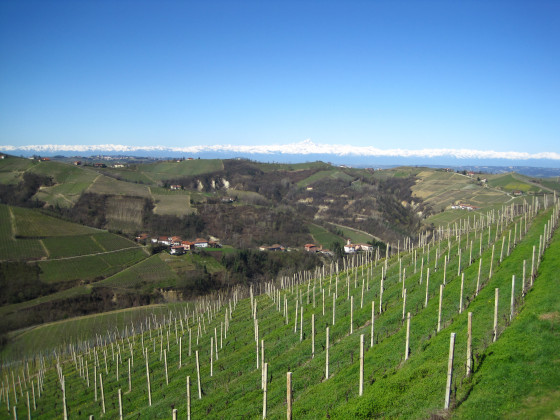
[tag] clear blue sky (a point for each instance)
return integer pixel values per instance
(407, 74)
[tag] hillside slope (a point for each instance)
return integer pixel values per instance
(225, 335)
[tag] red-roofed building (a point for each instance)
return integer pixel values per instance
(200, 243)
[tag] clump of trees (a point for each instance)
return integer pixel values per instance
(20, 282)
(21, 194)
(250, 266)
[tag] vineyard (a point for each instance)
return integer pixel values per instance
(459, 323)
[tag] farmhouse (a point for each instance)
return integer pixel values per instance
(351, 248)
(273, 248)
(175, 240)
(312, 248)
(200, 243)
(2, 156)
(142, 237)
(175, 187)
(464, 206)
(163, 240)
(177, 250)
(517, 193)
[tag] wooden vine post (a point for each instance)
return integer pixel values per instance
(478, 277)
(120, 405)
(461, 294)
(372, 321)
(449, 371)
(333, 308)
(439, 308)
(188, 398)
(289, 396)
(512, 303)
(427, 286)
(64, 408)
(28, 406)
(327, 356)
(403, 303)
(300, 322)
(469, 345)
(381, 292)
(95, 380)
(147, 379)
(407, 336)
(265, 386)
(312, 336)
(165, 362)
(361, 390)
(496, 296)
(103, 395)
(351, 314)
(198, 376)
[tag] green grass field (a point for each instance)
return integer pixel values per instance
(511, 182)
(174, 204)
(520, 364)
(324, 175)
(33, 223)
(89, 267)
(152, 272)
(355, 236)
(70, 182)
(12, 248)
(107, 185)
(321, 236)
(165, 170)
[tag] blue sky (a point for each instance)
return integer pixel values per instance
(386, 74)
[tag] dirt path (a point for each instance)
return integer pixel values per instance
(534, 184)
(358, 230)
(12, 223)
(96, 253)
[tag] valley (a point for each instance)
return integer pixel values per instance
(83, 301)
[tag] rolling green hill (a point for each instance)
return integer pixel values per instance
(219, 333)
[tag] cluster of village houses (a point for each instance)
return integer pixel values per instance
(464, 206)
(349, 248)
(177, 246)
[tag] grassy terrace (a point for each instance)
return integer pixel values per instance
(394, 387)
